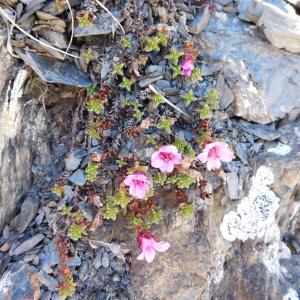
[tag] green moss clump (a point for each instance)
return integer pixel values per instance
(181, 180)
(67, 287)
(76, 232)
(157, 100)
(118, 69)
(126, 84)
(92, 130)
(189, 98)
(186, 210)
(160, 178)
(95, 106)
(151, 44)
(184, 148)
(165, 124)
(91, 172)
(174, 56)
(110, 212)
(196, 75)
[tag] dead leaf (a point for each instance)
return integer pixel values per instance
(36, 284)
(97, 222)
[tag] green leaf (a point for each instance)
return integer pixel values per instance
(151, 44)
(166, 124)
(67, 287)
(196, 75)
(184, 147)
(110, 212)
(174, 56)
(160, 178)
(118, 69)
(157, 100)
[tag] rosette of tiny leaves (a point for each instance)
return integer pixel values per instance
(149, 194)
(162, 38)
(92, 130)
(120, 199)
(174, 56)
(151, 44)
(118, 69)
(184, 147)
(160, 178)
(126, 84)
(205, 112)
(91, 172)
(157, 100)
(66, 211)
(186, 210)
(150, 139)
(67, 287)
(95, 106)
(91, 90)
(212, 98)
(89, 56)
(76, 232)
(110, 212)
(126, 42)
(137, 113)
(155, 216)
(196, 75)
(165, 124)
(189, 98)
(84, 20)
(78, 216)
(176, 71)
(57, 190)
(181, 180)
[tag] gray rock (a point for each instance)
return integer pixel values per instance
(56, 39)
(101, 25)
(162, 85)
(146, 81)
(261, 131)
(29, 210)
(28, 244)
(15, 282)
(225, 94)
(278, 20)
(264, 81)
(51, 256)
(105, 260)
(232, 181)
(47, 280)
(200, 21)
(74, 159)
(53, 71)
(78, 178)
(224, 2)
(98, 259)
(154, 70)
(74, 261)
(87, 211)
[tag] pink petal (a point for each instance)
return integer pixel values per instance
(149, 254)
(203, 157)
(224, 153)
(161, 246)
(132, 190)
(167, 167)
(156, 162)
(177, 159)
(141, 191)
(169, 149)
(128, 180)
(213, 163)
(141, 256)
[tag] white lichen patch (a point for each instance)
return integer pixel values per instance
(255, 212)
(280, 149)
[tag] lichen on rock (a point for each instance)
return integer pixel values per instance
(255, 212)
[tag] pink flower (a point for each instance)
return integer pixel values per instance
(148, 245)
(138, 184)
(188, 65)
(165, 158)
(214, 153)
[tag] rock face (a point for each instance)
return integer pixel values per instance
(21, 126)
(262, 80)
